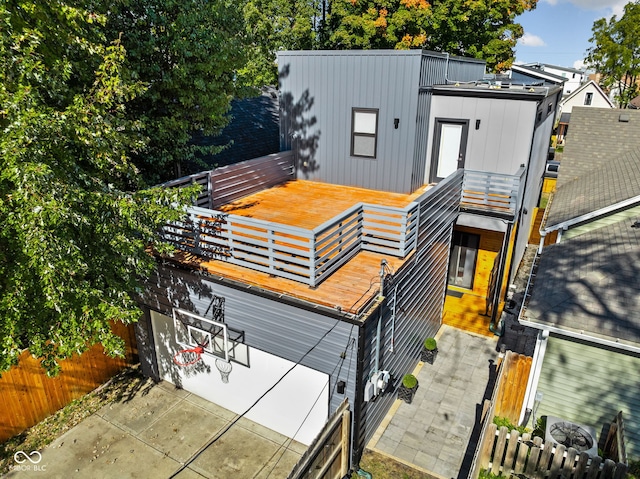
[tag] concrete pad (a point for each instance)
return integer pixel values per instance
(97, 449)
(182, 430)
(152, 433)
(140, 412)
(238, 454)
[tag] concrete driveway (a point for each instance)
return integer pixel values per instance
(152, 434)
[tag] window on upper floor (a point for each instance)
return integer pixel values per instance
(364, 132)
(588, 98)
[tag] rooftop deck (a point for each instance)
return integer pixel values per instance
(254, 223)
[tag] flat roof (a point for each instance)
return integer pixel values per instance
(494, 90)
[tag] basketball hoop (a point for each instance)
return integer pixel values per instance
(225, 369)
(187, 357)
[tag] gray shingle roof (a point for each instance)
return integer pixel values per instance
(590, 283)
(600, 165)
(253, 131)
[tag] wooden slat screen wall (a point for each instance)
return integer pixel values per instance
(29, 395)
(513, 386)
(230, 183)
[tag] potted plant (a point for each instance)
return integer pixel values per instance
(429, 351)
(408, 388)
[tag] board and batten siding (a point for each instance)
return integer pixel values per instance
(503, 141)
(319, 89)
(418, 290)
(590, 385)
(436, 68)
(272, 326)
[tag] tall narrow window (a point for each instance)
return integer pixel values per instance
(462, 263)
(364, 132)
(587, 98)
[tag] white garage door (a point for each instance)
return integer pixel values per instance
(297, 407)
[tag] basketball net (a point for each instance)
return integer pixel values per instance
(187, 357)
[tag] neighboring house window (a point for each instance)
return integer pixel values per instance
(462, 263)
(587, 98)
(364, 132)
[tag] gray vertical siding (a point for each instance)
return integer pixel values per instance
(435, 69)
(319, 89)
(419, 288)
(589, 385)
(269, 325)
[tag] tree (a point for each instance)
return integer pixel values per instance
(187, 53)
(77, 223)
(480, 28)
(616, 53)
(273, 25)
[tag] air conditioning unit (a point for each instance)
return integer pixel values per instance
(582, 438)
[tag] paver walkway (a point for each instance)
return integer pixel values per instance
(154, 433)
(434, 431)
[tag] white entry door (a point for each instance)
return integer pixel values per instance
(449, 148)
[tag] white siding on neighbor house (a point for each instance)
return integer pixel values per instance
(503, 141)
(297, 407)
(589, 385)
(598, 100)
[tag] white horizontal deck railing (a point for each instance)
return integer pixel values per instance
(309, 256)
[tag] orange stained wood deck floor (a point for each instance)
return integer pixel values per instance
(308, 204)
(468, 313)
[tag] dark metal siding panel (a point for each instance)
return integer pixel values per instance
(419, 289)
(589, 385)
(318, 92)
(271, 326)
(422, 140)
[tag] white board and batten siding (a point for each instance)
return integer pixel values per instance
(590, 385)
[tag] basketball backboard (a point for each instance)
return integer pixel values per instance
(217, 339)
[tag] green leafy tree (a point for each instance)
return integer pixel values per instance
(77, 224)
(615, 53)
(273, 25)
(187, 53)
(480, 28)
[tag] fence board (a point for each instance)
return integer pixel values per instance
(29, 395)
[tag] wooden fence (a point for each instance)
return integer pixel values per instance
(29, 395)
(506, 399)
(328, 456)
(507, 454)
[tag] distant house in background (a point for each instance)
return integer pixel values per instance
(584, 298)
(252, 132)
(588, 95)
(534, 76)
(572, 76)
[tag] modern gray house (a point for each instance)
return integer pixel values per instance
(315, 274)
(584, 295)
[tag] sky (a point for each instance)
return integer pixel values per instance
(557, 32)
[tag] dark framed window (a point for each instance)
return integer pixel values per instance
(588, 98)
(462, 262)
(364, 132)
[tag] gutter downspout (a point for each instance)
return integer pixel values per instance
(496, 295)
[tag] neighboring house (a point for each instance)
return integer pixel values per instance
(573, 77)
(527, 75)
(590, 95)
(584, 294)
(253, 130)
(331, 260)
